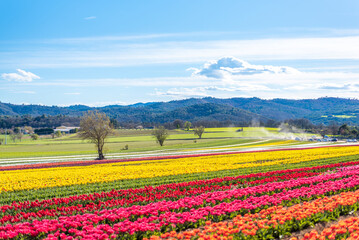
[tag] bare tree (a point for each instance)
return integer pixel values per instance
(187, 125)
(58, 134)
(199, 131)
(344, 130)
(96, 127)
(34, 136)
(160, 133)
(28, 130)
(17, 130)
(178, 123)
(12, 135)
(19, 136)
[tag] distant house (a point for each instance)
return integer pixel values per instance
(64, 129)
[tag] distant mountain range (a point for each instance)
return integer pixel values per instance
(322, 110)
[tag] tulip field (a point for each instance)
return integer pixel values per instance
(270, 194)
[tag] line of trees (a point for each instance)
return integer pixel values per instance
(49, 121)
(160, 133)
(43, 121)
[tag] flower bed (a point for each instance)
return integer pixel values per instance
(142, 221)
(98, 201)
(345, 229)
(278, 221)
(187, 193)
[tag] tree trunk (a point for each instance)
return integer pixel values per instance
(101, 156)
(100, 153)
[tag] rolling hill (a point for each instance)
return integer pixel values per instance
(321, 110)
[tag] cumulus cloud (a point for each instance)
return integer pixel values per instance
(229, 66)
(20, 76)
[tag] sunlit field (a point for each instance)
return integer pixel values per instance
(141, 140)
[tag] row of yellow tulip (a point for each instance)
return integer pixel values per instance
(65, 176)
(263, 143)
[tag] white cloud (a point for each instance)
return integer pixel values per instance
(20, 76)
(102, 53)
(128, 82)
(97, 104)
(120, 38)
(325, 88)
(26, 92)
(289, 80)
(90, 18)
(183, 92)
(211, 91)
(73, 93)
(226, 67)
(247, 87)
(347, 86)
(200, 92)
(335, 86)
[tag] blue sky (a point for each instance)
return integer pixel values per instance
(122, 52)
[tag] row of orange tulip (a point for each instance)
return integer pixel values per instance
(276, 221)
(345, 229)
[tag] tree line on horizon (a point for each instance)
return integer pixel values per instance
(48, 122)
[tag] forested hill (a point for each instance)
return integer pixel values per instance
(322, 110)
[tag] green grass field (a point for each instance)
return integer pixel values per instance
(137, 141)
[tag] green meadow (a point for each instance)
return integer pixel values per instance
(140, 141)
